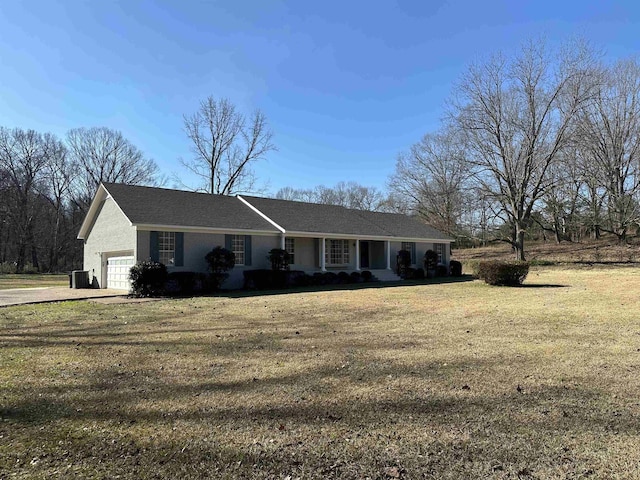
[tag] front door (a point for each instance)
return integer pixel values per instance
(364, 254)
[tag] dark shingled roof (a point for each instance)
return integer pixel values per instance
(161, 206)
(314, 217)
(332, 219)
(403, 226)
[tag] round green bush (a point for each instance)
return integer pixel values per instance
(148, 279)
(502, 273)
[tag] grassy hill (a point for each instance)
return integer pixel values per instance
(604, 250)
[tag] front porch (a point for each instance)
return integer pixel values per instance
(328, 254)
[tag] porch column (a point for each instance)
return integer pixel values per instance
(323, 246)
(388, 248)
(282, 243)
(357, 255)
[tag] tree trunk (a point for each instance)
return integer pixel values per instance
(518, 245)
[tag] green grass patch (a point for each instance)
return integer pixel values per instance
(14, 280)
(449, 380)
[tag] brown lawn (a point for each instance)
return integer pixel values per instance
(8, 281)
(451, 380)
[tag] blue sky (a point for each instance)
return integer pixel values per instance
(346, 85)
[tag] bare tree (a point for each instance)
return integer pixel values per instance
(432, 177)
(517, 115)
(60, 174)
(23, 158)
(225, 145)
(105, 155)
(345, 194)
(609, 129)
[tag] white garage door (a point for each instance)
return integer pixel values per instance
(118, 272)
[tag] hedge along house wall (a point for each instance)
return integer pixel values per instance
(196, 245)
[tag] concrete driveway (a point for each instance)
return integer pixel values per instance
(22, 296)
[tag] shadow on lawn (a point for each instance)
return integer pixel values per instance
(427, 419)
(116, 394)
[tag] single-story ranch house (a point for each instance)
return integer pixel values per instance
(127, 223)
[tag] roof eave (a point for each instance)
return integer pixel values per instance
(101, 194)
(201, 229)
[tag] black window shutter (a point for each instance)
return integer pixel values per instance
(414, 260)
(247, 250)
(227, 242)
(179, 253)
(154, 249)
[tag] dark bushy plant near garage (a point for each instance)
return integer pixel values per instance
(148, 279)
(503, 273)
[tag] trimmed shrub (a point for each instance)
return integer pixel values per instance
(186, 283)
(367, 276)
(279, 259)
(148, 279)
(264, 279)
(344, 277)
(220, 260)
(330, 278)
(418, 274)
(441, 271)
(503, 273)
(430, 263)
(261, 279)
(455, 268)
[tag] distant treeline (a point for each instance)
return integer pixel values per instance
(46, 186)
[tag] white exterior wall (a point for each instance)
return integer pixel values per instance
(110, 235)
(305, 254)
(197, 245)
(421, 249)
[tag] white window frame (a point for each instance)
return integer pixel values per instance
(439, 248)
(290, 247)
(238, 248)
(337, 252)
(167, 248)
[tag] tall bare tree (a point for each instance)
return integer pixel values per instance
(60, 174)
(105, 155)
(433, 177)
(23, 159)
(225, 145)
(517, 115)
(609, 129)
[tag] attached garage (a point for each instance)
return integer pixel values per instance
(118, 272)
